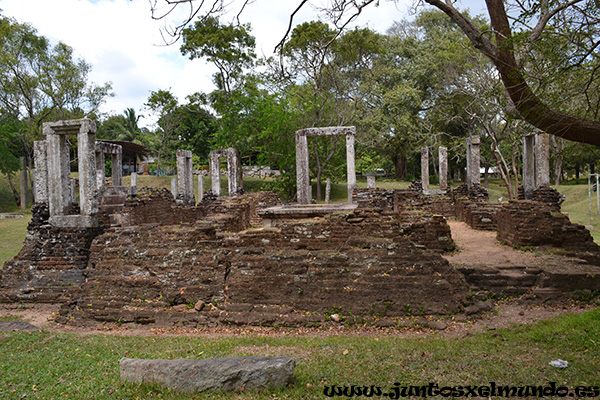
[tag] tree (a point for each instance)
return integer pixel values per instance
(230, 48)
(38, 83)
(38, 80)
(122, 127)
(163, 104)
(196, 127)
(10, 152)
(576, 19)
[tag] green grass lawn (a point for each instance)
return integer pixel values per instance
(12, 234)
(49, 365)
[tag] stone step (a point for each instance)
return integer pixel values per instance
(112, 200)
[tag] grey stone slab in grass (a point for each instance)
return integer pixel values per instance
(215, 374)
(16, 326)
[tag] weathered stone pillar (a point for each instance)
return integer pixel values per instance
(134, 183)
(443, 162)
(174, 187)
(370, 181)
(59, 190)
(86, 153)
(100, 169)
(40, 162)
(350, 165)
(24, 183)
(185, 177)
(473, 161)
(233, 173)
(59, 186)
(302, 173)
(542, 160)
(200, 188)
(327, 190)
(73, 191)
(117, 167)
(425, 168)
(528, 165)
(215, 174)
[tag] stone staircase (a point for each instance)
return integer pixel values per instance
(112, 201)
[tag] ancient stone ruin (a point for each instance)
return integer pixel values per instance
(247, 259)
(302, 172)
(233, 171)
(443, 169)
(185, 178)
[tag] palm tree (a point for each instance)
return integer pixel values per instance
(123, 127)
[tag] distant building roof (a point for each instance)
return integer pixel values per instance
(130, 149)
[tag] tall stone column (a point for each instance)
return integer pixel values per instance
(117, 168)
(232, 171)
(425, 168)
(174, 187)
(215, 174)
(40, 176)
(185, 177)
(302, 176)
(443, 160)
(200, 188)
(542, 160)
(473, 161)
(350, 164)
(59, 187)
(134, 183)
(100, 169)
(24, 183)
(528, 165)
(86, 152)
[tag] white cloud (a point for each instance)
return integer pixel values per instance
(124, 45)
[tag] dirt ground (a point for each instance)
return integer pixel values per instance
(475, 248)
(481, 248)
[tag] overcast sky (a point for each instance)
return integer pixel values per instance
(124, 45)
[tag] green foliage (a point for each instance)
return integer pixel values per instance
(38, 81)
(229, 47)
(9, 146)
(195, 128)
(122, 127)
(163, 104)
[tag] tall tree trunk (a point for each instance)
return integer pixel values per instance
(504, 171)
(14, 190)
(399, 166)
(515, 171)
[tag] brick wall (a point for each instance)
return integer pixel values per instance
(529, 223)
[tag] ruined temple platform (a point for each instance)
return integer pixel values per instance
(301, 211)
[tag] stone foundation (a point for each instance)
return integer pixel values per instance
(546, 195)
(478, 215)
(152, 261)
(363, 263)
(51, 266)
(405, 199)
(529, 223)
